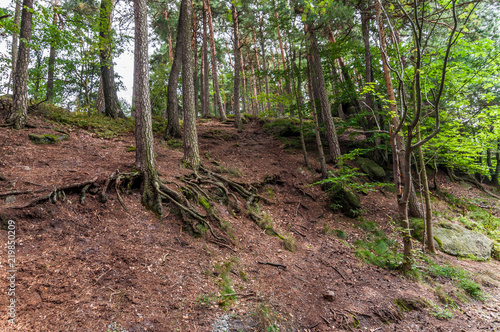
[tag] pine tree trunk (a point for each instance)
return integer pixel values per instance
(215, 79)
(19, 109)
(99, 103)
(15, 47)
(319, 144)
(237, 68)
(205, 104)
(52, 60)
(112, 105)
(297, 92)
(317, 76)
(173, 127)
(195, 71)
(145, 154)
(245, 85)
(264, 63)
(191, 149)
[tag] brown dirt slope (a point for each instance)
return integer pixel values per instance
(96, 267)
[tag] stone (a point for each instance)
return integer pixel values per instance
(371, 168)
(10, 199)
(47, 138)
(344, 198)
(329, 296)
(456, 240)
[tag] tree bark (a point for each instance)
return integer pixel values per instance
(195, 71)
(15, 37)
(173, 127)
(317, 76)
(99, 103)
(319, 144)
(205, 103)
(19, 109)
(145, 154)
(237, 67)
(297, 92)
(264, 63)
(245, 84)
(52, 59)
(191, 149)
(112, 105)
(398, 149)
(220, 104)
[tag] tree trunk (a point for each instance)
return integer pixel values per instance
(19, 109)
(205, 104)
(52, 59)
(145, 153)
(173, 128)
(495, 176)
(398, 150)
(15, 37)
(191, 150)
(220, 104)
(264, 63)
(427, 197)
(319, 144)
(195, 71)
(99, 103)
(237, 68)
(245, 84)
(297, 92)
(112, 106)
(317, 76)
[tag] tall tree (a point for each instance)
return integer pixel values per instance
(318, 82)
(191, 149)
(19, 109)
(145, 153)
(173, 128)
(205, 104)
(111, 105)
(237, 68)
(52, 56)
(15, 37)
(215, 77)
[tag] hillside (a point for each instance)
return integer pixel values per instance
(98, 267)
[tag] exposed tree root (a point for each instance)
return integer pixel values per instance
(55, 194)
(470, 180)
(197, 198)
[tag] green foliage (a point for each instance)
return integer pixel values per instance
(441, 313)
(461, 278)
(377, 248)
(103, 126)
(175, 143)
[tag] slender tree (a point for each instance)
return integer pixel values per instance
(15, 37)
(191, 149)
(145, 153)
(112, 105)
(318, 82)
(52, 57)
(237, 68)
(215, 75)
(173, 127)
(19, 109)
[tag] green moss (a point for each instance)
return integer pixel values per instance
(131, 148)
(439, 242)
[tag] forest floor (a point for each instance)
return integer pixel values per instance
(97, 267)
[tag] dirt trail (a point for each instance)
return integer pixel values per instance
(95, 267)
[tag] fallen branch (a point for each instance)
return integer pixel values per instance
(273, 264)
